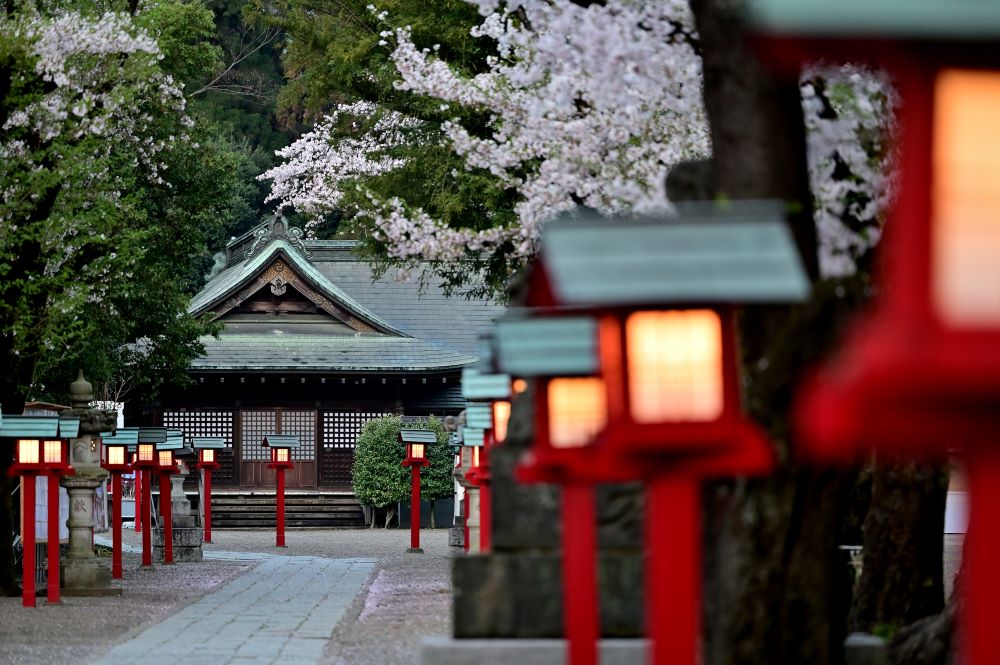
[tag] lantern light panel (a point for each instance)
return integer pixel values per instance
(116, 454)
(166, 457)
(146, 452)
(675, 365)
(27, 451)
(207, 455)
(280, 454)
(577, 410)
(501, 418)
(966, 205)
(53, 452)
(417, 450)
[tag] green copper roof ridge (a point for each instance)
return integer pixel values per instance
(248, 270)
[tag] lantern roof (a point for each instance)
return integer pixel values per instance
(200, 442)
(550, 346)
(174, 441)
(24, 426)
(898, 19)
(281, 441)
(479, 416)
(417, 436)
(740, 252)
(155, 435)
(477, 386)
(473, 436)
(125, 436)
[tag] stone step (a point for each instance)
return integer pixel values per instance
(241, 511)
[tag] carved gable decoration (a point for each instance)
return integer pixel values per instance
(277, 228)
(278, 276)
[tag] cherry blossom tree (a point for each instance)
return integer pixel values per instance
(583, 105)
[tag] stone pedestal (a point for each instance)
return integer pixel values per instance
(187, 532)
(82, 573)
(473, 519)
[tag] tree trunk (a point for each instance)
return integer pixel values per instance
(433, 521)
(902, 576)
(389, 514)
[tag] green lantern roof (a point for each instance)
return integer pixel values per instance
(738, 253)
(417, 436)
(479, 416)
(69, 427)
(155, 435)
(281, 441)
(473, 436)
(174, 441)
(478, 387)
(900, 19)
(30, 427)
(125, 436)
(552, 346)
(200, 442)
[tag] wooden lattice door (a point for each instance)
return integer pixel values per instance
(209, 423)
(254, 456)
(340, 430)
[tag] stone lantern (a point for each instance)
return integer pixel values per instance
(82, 573)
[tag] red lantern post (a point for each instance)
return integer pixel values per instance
(281, 459)
(139, 501)
(207, 448)
(40, 448)
(166, 466)
(115, 461)
(145, 462)
(416, 442)
(921, 371)
(664, 372)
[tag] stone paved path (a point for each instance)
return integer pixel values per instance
(284, 611)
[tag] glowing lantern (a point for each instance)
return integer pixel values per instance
(40, 448)
(416, 441)
(281, 459)
(206, 447)
(659, 294)
(116, 461)
(922, 370)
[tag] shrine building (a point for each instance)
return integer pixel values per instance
(313, 345)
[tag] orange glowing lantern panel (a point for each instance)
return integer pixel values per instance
(417, 450)
(207, 455)
(116, 455)
(519, 386)
(475, 457)
(577, 411)
(675, 365)
(966, 212)
(166, 458)
(27, 451)
(53, 452)
(281, 454)
(501, 416)
(146, 452)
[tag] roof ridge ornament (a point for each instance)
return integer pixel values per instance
(277, 228)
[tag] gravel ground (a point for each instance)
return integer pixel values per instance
(407, 597)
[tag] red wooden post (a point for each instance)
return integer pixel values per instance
(147, 501)
(28, 541)
(415, 509)
(581, 619)
(280, 538)
(982, 551)
(485, 503)
(208, 504)
(52, 585)
(116, 525)
(673, 569)
(165, 513)
(139, 502)
(465, 520)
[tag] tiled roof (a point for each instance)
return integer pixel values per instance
(421, 310)
(360, 353)
(242, 272)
